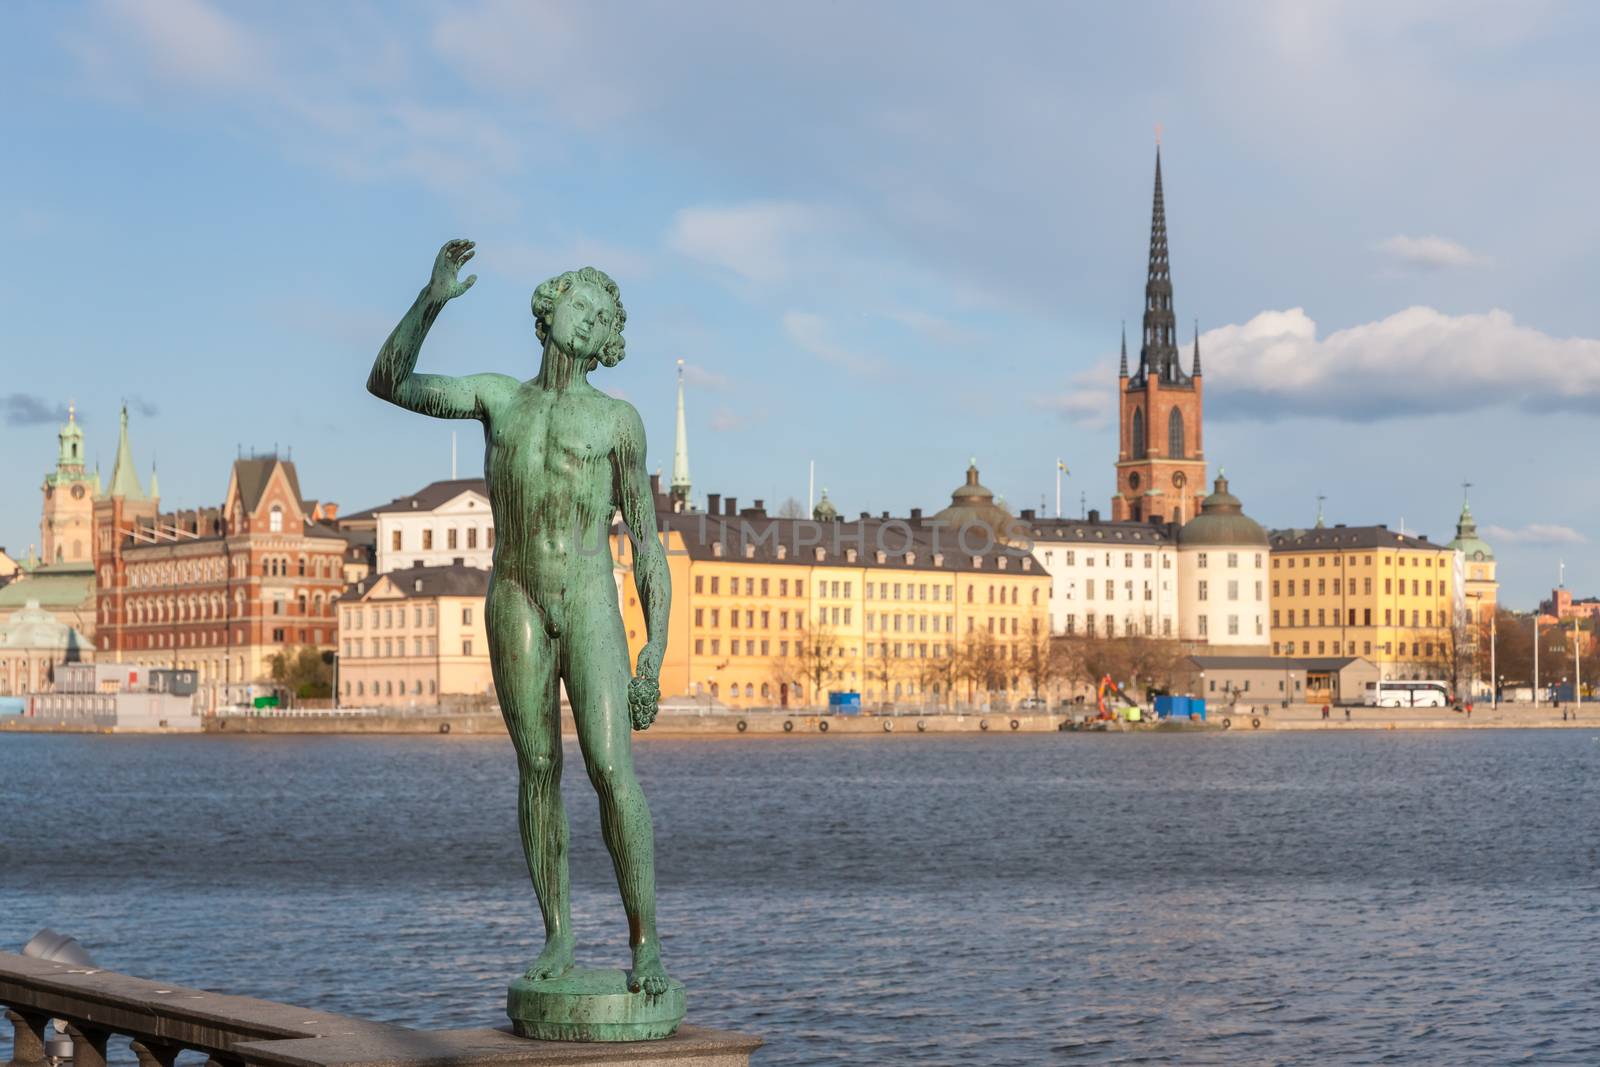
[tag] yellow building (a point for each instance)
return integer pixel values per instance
(1364, 591)
(415, 637)
(780, 612)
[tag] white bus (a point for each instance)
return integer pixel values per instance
(1398, 694)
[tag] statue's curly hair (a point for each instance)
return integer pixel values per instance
(548, 293)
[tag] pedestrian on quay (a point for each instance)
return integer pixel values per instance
(1347, 714)
(1324, 713)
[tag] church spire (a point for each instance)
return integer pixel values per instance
(680, 454)
(1196, 372)
(1122, 368)
(1158, 353)
(124, 480)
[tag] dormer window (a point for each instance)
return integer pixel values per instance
(821, 555)
(1027, 563)
(1001, 563)
(911, 559)
(749, 551)
(716, 549)
(783, 551)
(977, 563)
(850, 555)
(881, 556)
(275, 519)
(938, 559)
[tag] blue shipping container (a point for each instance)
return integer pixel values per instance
(844, 703)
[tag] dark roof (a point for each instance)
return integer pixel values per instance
(761, 534)
(1277, 663)
(1098, 532)
(1328, 538)
(427, 498)
(454, 580)
(1221, 521)
(254, 473)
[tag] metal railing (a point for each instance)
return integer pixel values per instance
(164, 1022)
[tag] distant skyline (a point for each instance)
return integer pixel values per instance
(884, 250)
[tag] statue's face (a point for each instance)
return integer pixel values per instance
(583, 322)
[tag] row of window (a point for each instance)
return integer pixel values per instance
(1327, 617)
(1388, 648)
(219, 638)
(1431, 559)
(386, 688)
(1204, 589)
(1233, 626)
(1202, 559)
(750, 586)
(1070, 557)
(1093, 627)
(389, 617)
(1419, 587)
(452, 538)
(395, 647)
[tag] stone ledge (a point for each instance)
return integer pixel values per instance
(691, 1046)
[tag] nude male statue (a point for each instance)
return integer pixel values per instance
(560, 458)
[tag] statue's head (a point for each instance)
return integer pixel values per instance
(581, 313)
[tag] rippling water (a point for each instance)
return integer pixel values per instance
(1278, 898)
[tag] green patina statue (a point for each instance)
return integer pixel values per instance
(560, 459)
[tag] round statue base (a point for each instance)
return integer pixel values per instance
(592, 1005)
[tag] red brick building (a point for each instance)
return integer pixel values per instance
(215, 590)
(1161, 466)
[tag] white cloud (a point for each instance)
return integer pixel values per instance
(1090, 397)
(938, 330)
(755, 241)
(189, 42)
(1430, 253)
(810, 332)
(1415, 362)
(1535, 533)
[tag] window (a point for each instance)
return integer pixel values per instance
(490, 539)
(466, 616)
(450, 538)
(466, 646)
(1233, 559)
(427, 539)
(1200, 560)
(1233, 589)
(472, 537)
(1138, 433)
(715, 583)
(699, 583)
(699, 646)
(275, 519)
(1175, 434)
(394, 540)
(1204, 590)
(1233, 626)
(699, 616)
(1203, 627)
(1258, 590)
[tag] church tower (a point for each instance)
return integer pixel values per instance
(1161, 467)
(66, 526)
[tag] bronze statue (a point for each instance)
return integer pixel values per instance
(560, 459)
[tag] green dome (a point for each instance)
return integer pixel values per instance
(1467, 541)
(1221, 521)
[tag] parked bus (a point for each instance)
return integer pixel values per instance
(1415, 694)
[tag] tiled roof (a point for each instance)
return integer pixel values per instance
(427, 498)
(1342, 537)
(454, 580)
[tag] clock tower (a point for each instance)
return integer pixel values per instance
(1161, 466)
(66, 526)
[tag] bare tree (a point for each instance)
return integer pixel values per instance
(810, 661)
(939, 673)
(791, 509)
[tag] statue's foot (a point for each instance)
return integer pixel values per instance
(554, 961)
(648, 976)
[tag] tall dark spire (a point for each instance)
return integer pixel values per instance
(1196, 371)
(1122, 370)
(1158, 351)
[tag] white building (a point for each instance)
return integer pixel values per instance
(443, 524)
(1107, 579)
(1222, 576)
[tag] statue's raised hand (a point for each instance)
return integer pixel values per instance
(447, 265)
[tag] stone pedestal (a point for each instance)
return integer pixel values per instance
(592, 1005)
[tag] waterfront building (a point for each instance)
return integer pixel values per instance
(1107, 579)
(769, 611)
(442, 524)
(1365, 591)
(415, 636)
(64, 590)
(67, 518)
(1245, 685)
(220, 590)
(1161, 468)
(33, 644)
(1222, 577)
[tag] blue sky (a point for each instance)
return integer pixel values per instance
(883, 237)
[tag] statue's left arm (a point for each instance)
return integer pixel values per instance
(650, 574)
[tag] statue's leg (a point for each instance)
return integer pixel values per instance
(595, 665)
(523, 658)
